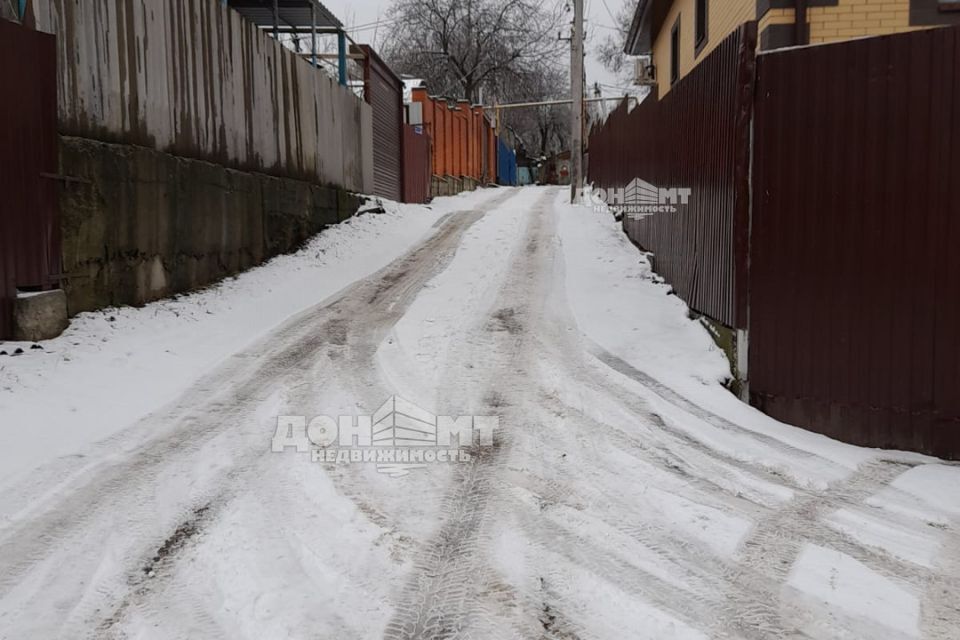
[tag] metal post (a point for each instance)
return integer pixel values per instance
(313, 34)
(576, 108)
(342, 55)
(276, 20)
(23, 8)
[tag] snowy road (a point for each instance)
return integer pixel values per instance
(626, 493)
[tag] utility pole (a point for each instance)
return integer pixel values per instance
(576, 108)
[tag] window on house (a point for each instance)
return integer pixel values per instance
(675, 52)
(700, 37)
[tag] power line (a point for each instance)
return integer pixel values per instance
(372, 25)
(610, 13)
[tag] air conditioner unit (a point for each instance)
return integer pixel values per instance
(645, 73)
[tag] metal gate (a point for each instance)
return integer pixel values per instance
(506, 165)
(416, 165)
(29, 220)
(384, 93)
(854, 268)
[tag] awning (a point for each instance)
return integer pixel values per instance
(292, 15)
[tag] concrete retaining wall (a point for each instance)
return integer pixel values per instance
(194, 79)
(142, 225)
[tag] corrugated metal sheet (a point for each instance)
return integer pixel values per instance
(195, 79)
(29, 221)
(442, 141)
(506, 165)
(855, 272)
(384, 92)
(491, 155)
(471, 155)
(416, 164)
(696, 137)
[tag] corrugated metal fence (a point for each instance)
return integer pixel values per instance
(29, 224)
(696, 137)
(468, 150)
(384, 92)
(506, 164)
(855, 268)
(196, 79)
(852, 287)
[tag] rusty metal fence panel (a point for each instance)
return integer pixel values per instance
(29, 221)
(855, 272)
(696, 137)
(384, 92)
(416, 164)
(473, 157)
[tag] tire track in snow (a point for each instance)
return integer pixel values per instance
(678, 400)
(331, 327)
(443, 598)
(778, 538)
(752, 608)
(940, 605)
(122, 486)
(776, 541)
(700, 602)
(802, 519)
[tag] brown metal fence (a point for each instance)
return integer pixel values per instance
(29, 221)
(384, 92)
(855, 268)
(696, 137)
(416, 164)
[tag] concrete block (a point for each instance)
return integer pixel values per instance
(39, 316)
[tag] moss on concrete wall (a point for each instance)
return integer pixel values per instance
(143, 225)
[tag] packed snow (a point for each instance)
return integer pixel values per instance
(627, 493)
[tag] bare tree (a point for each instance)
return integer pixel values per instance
(544, 130)
(465, 48)
(610, 49)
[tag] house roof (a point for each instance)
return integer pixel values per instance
(291, 13)
(648, 18)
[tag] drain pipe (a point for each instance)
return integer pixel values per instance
(801, 35)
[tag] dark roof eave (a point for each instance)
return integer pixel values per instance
(638, 40)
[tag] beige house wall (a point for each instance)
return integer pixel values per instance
(857, 19)
(848, 19)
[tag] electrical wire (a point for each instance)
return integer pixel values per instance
(610, 13)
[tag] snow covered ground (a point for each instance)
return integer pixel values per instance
(112, 368)
(626, 494)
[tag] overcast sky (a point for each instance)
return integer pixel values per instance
(360, 15)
